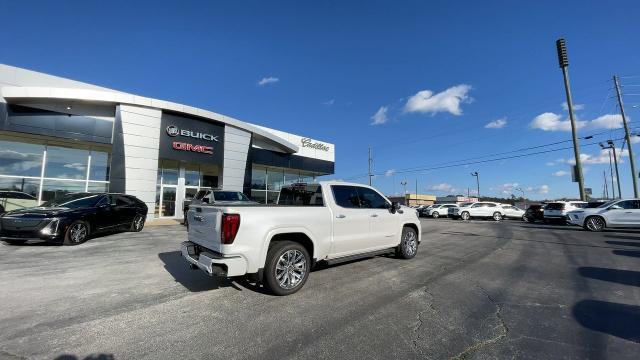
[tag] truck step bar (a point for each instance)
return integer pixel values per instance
(359, 256)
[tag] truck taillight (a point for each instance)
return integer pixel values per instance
(230, 226)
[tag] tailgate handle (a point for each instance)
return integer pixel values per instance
(374, 215)
(340, 216)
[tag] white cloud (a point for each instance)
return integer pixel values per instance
(449, 100)
(609, 121)
(543, 189)
(556, 122)
(496, 124)
(329, 102)
(576, 107)
(600, 158)
(390, 172)
(561, 173)
(268, 80)
(506, 189)
(550, 163)
(444, 187)
(635, 139)
(553, 122)
(380, 117)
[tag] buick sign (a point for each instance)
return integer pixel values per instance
(173, 131)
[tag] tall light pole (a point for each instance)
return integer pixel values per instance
(404, 184)
(370, 163)
(563, 60)
(477, 175)
(523, 198)
(632, 161)
(612, 147)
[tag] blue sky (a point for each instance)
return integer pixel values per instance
(435, 73)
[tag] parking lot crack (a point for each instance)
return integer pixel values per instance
(420, 322)
(9, 356)
(503, 330)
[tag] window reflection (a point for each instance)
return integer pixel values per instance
(52, 189)
(65, 163)
(22, 159)
(99, 166)
(29, 186)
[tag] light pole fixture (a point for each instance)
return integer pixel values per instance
(611, 146)
(523, 198)
(477, 175)
(404, 184)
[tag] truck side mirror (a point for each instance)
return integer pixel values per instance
(394, 207)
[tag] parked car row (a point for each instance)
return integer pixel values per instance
(470, 210)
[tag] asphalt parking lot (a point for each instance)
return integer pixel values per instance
(476, 290)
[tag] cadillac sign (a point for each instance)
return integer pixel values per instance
(306, 142)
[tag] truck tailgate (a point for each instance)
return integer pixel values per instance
(204, 226)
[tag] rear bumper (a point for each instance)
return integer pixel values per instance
(214, 264)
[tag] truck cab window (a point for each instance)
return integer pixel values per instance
(371, 200)
(346, 196)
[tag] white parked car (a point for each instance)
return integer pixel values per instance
(278, 245)
(557, 210)
(481, 209)
(512, 212)
(613, 214)
(442, 210)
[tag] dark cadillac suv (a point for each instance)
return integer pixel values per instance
(70, 219)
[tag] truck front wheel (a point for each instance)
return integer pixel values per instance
(287, 267)
(408, 243)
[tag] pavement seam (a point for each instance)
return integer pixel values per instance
(420, 322)
(504, 330)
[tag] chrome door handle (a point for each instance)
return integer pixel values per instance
(374, 215)
(340, 216)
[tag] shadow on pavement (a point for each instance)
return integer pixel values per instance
(553, 227)
(623, 243)
(88, 357)
(622, 237)
(615, 319)
(625, 277)
(632, 253)
(193, 280)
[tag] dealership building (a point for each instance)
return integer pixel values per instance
(58, 135)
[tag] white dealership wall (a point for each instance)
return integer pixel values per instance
(136, 129)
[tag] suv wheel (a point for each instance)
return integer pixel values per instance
(287, 267)
(408, 247)
(497, 216)
(594, 223)
(435, 215)
(77, 233)
(465, 215)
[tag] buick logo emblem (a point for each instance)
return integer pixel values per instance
(172, 130)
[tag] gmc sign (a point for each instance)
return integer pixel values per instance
(177, 145)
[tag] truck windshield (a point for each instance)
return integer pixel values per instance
(301, 195)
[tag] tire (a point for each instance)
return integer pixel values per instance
(465, 215)
(408, 247)
(138, 223)
(435, 215)
(497, 216)
(530, 220)
(77, 233)
(284, 259)
(594, 223)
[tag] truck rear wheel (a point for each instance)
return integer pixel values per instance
(287, 267)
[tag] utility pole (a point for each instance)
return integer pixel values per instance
(563, 60)
(613, 191)
(370, 162)
(524, 199)
(416, 191)
(404, 185)
(606, 190)
(615, 161)
(477, 175)
(634, 175)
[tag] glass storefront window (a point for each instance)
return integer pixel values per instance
(66, 163)
(258, 178)
(258, 196)
(52, 189)
(210, 175)
(21, 159)
(291, 177)
(272, 197)
(169, 172)
(191, 175)
(99, 168)
(29, 186)
(275, 179)
(97, 187)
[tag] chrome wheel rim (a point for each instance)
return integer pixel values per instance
(291, 269)
(78, 233)
(594, 224)
(436, 215)
(138, 222)
(410, 243)
(465, 216)
(497, 216)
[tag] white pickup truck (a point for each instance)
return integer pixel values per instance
(278, 245)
